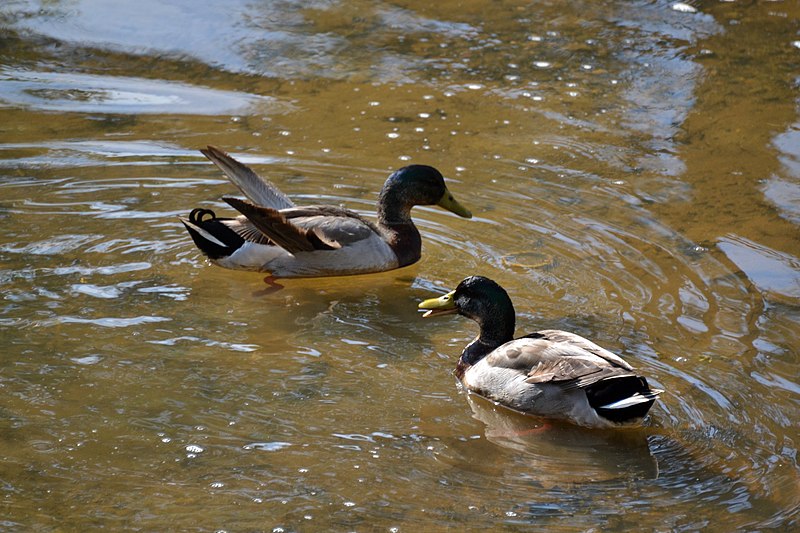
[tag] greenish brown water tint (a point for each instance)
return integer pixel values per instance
(634, 172)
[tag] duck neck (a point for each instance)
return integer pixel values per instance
(394, 219)
(497, 328)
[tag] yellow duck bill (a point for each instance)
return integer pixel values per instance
(444, 305)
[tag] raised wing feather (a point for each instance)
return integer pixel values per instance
(306, 228)
(247, 230)
(259, 190)
(278, 229)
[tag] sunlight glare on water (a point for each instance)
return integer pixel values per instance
(82, 93)
(632, 169)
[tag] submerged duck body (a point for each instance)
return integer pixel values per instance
(274, 235)
(549, 373)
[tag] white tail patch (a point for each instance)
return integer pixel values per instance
(203, 233)
(632, 400)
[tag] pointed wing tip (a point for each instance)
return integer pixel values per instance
(213, 152)
(234, 202)
(245, 207)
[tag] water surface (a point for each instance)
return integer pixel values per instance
(633, 171)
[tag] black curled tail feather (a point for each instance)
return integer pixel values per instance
(210, 234)
(197, 214)
(606, 392)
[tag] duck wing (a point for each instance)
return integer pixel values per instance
(571, 342)
(259, 190)
(572, 373)
(277, 228)
(306, 228)
(336, 225)
(558, 357)
(247, 230)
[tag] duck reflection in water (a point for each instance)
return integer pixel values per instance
(556, 452)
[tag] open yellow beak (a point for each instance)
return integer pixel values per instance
(451, 204)
(444, 305)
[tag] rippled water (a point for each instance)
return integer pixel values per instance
(634, 172)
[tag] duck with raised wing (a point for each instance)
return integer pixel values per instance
(274, 235)
(549, 373)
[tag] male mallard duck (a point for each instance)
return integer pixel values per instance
(273, 235)
(550, 373)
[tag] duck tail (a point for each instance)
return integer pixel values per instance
(622, 399)
(211, 235)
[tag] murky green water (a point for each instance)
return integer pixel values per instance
(634, 170)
